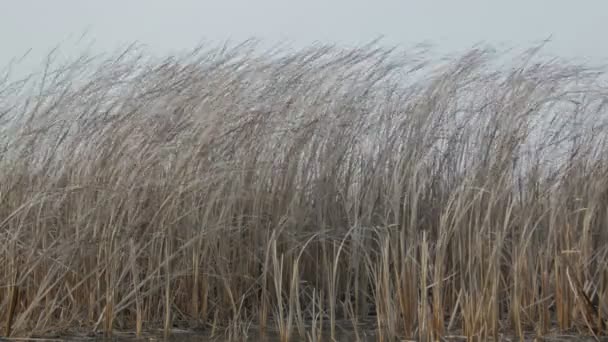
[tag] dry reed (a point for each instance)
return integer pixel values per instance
(233, 187)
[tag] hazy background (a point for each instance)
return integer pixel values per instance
(577, 28)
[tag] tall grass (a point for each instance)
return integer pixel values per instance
(293, 190)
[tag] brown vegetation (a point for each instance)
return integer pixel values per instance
(231, 188)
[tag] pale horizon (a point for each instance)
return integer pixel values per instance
(575, 31)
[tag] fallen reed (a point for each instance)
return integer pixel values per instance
(234, 187)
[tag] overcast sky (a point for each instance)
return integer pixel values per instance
(577, 27)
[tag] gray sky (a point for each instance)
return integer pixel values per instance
(577, 27)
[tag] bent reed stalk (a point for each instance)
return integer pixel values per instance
(232, 188)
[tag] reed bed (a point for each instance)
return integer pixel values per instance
(234, 189)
